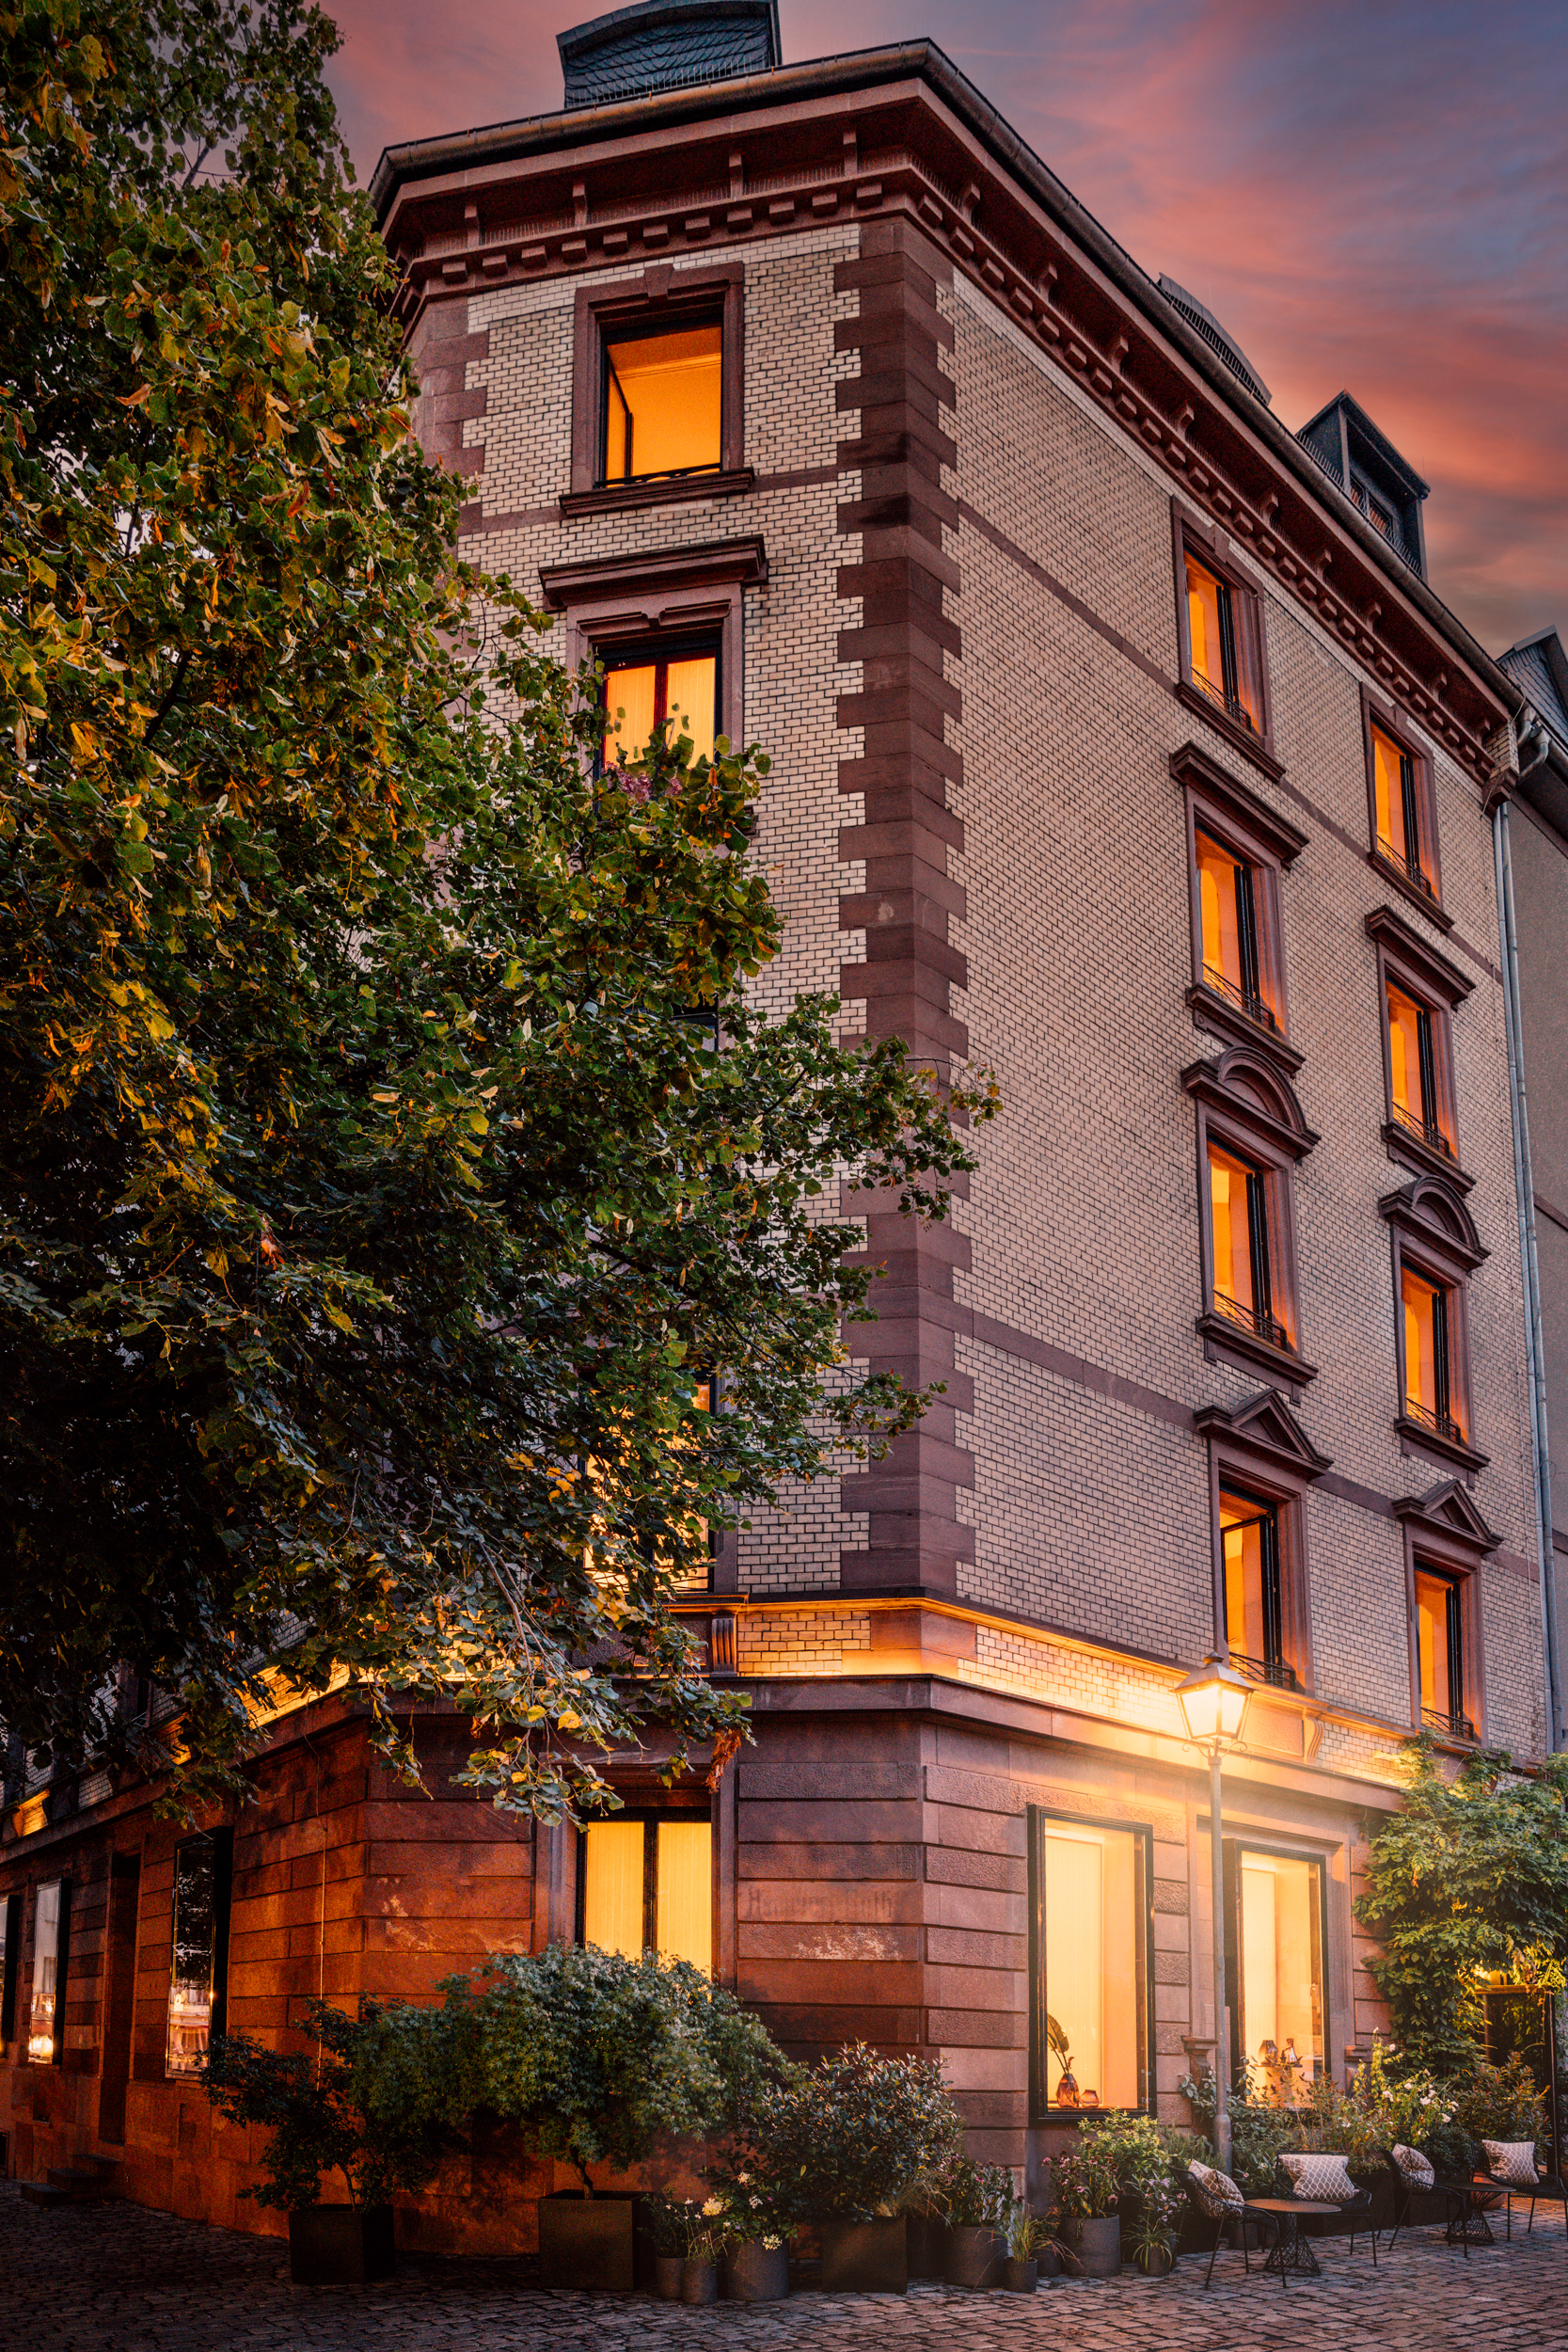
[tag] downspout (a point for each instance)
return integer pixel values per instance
(1523, 1187)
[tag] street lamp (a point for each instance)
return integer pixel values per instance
(1214, 1706)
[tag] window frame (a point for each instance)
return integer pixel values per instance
(1445, 1536)
(661, 296)
(1247, 1107)
(1211, 548)
(221, 1840)
(1040, 2110)
(14, 1911)
(1218, 806)
(1375, 712)
(62, 1966)
(1436, 987)
(1431, 1232)
(667, 647)
(650, 1816)
(1261, 1451)
(1233, 1848)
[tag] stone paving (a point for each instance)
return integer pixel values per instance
(116, 2277)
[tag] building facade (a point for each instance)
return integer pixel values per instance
(1119, 745)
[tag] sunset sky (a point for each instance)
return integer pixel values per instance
(1369, 194)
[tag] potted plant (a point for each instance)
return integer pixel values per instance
(1085, 2195)
(1027, 2235)
(597, 2058)
(979, 2198)
(758, 2219)
(1149, 2161)
(331, 2114)
(667, 2230)
(858, 2138)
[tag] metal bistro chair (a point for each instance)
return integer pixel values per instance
(1511, 2168)
(1466, 2224)
(1313, 2176)
(1214, 2197)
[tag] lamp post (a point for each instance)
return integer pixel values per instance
(1214, 1704)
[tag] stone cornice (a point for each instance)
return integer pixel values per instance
(900, 132)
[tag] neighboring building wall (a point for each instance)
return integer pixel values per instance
(1540, 901)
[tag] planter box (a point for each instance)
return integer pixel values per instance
(1099, 2246)
(866, 2257)
(667, 2278)
(974, 2255)
(340, 2246)
(699, 2280)
(1021, 2274)
(588, 2244)
(756, 2273)
(927, 2244)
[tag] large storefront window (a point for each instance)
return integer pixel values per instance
(197, 1962)
(1091, 1992)
(1278, 2008)
(51, 1942)
(646, 1885)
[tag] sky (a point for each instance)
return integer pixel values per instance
(1369, 195)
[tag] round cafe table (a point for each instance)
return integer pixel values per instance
(1289, 2251)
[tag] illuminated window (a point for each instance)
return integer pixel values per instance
(50, 1950)
(1091, 1928)
(1279, 2022)
(641, 691)
(1239, 1230)
(199, 1950)
(1440, 1652)
(1227, 896)
(1221, 647)
(1253, 1615)
(1403, 809)
(1429, 1386)
(1237, 849)
(663, 402)
(1412, 1070)
(645, 1884)
(1420, 990)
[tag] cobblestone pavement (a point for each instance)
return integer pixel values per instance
(116, 2277)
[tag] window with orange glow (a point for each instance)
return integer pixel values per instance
(645, 1884)
(1239, 1231)
(1253, 1624)
(642, 691)
(1440, 1652)
(1429, 1398)
(663, 403)
(1413, 1068)
(1219, 646)
(1228, 893)
(1397, 801)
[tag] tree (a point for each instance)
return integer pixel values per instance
(1469, 1877)
(391, 1147)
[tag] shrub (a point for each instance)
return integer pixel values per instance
(378, 2104)
(858, 2138)
(1083, 2181)
(1497, 2103)
(979, 2196)
(595, 2057)
(1259, 2129)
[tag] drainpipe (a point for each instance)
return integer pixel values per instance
(1531, 733)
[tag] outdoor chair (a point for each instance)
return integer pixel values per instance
(1466, 2223)
(1215, 2197)
(1511, 2168)
(1326, 2179)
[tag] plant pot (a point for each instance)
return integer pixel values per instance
(1047, 2263)
(1156, 2261)
(588, 2244)
(1020, 2274)
(699, 2280)
(866, 2257)
(755, 2273)
(1099, 2246)
(927, 2244)
(340, 2246)
(667, 2278)
(975, 2254)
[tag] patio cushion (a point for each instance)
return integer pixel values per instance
(1511, 2160)
(1417, 2170)
(1325, 2179)
(1216, 2192)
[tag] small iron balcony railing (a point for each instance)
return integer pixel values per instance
(1232, 704)
(1457, 1725)
(1253, 1005)
(1440, 1425)
(1271, 1670)
(1410, 867)
(1427, 1129)
(1254, 1319)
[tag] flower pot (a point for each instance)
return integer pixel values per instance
(1020, 2274)
(866, 2257)
(587, 2242)
(1047, 2262)
(1156, 2261)
(1099, 2245)
(927, 2244)
(340, 2246)
(667, 2278)
(699, 2280)
(755, 2273)
(975, 2254)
